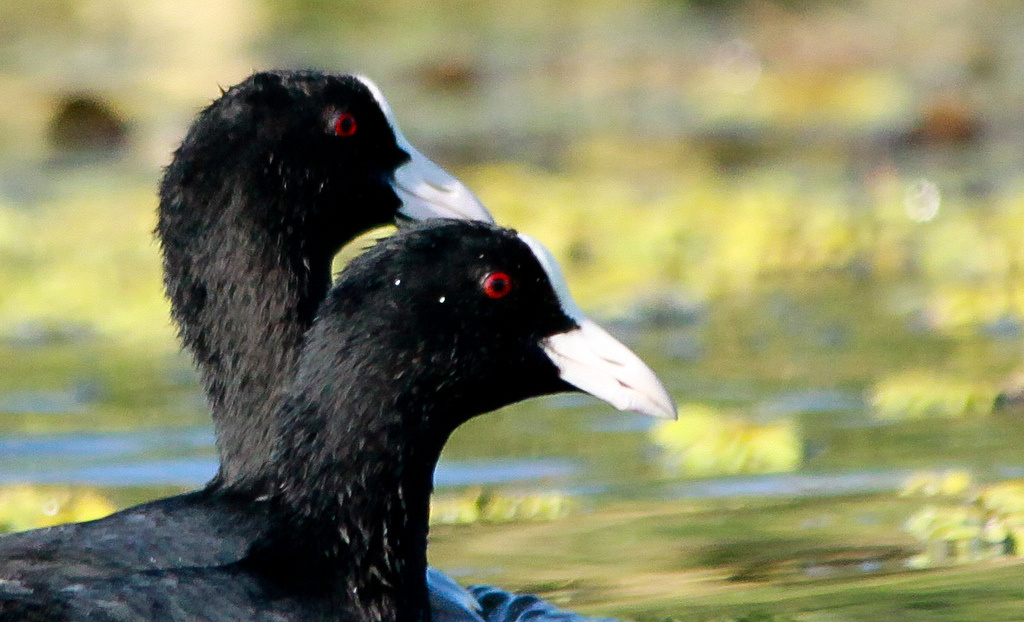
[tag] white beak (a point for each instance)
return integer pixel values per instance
(593, 361)
(426, 189)
(429, 191)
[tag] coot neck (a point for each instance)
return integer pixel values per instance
(244, 286)
(351, 504)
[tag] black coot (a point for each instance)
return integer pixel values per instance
(271, 180)
(429, 328)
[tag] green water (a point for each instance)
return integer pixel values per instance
(813, 236)
(826, 539)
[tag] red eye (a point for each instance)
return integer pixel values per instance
(345, 125)
(497, 285)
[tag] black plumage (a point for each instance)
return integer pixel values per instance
(261, 194)
(407, 346)
(259, 197)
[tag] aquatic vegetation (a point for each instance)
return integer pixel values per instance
(705, 442)
(921, 394)
(25, 506)
(479, 505)
(951, 483)
(700, 233)
(972, 524)
(960, 535)
(674, 226)
(708, 151)
(1006, 498)
(619, 232)
(87, 260)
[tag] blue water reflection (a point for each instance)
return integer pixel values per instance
(186, 458)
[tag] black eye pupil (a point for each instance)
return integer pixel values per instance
(345, 125)
(497, 284)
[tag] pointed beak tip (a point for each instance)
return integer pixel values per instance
(661, 410)
(651, 397)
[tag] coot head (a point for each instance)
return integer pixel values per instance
(318, 152)
(480, 315)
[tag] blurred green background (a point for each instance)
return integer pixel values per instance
(807, 216)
